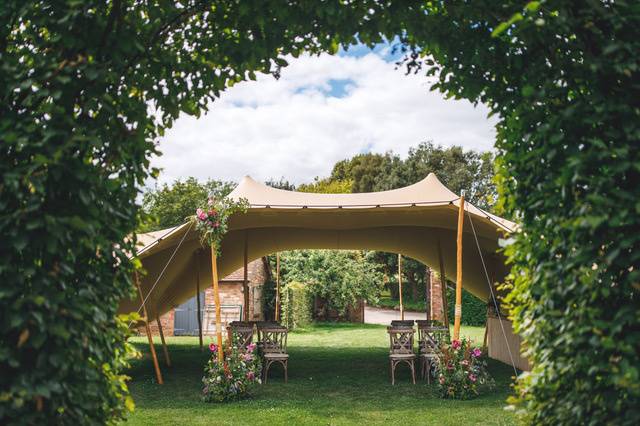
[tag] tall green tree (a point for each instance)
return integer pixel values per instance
(170, 205)
(341, 277)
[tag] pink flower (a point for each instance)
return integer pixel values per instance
(455, 344)
(472, 377)
(476, 352)
(216, 224)
(247, 357)
(213, 347)
(201, 214)
(464, 362)
(213, 213)
(250, 375)
(251, 347)
(449, 366)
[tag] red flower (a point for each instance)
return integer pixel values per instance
(456, 344)
(213, 347)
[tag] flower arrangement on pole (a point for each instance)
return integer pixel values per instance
(211, 219)
(235, 377)
(462, 371)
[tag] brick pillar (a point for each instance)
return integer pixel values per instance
(436, 297)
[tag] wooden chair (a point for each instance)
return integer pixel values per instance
(261, 325)
(274, 349)
(401, 350)
(429, 340)
(240, 334)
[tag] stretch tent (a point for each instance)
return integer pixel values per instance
(419, 221)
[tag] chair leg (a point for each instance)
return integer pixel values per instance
(428, 370)
(266, 371)
(413, 371)
(393, 373)
(286, 370)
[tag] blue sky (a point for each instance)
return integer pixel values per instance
(323, 109)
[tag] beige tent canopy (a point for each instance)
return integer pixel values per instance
(419, 221)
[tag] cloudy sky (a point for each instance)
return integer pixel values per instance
(323, 109)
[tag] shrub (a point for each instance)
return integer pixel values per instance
(297, 305)
(235, 377)
(474, 310)
(462, 371)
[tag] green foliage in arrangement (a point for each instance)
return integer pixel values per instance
(211, 219)
(341, 277)
(170, 205)
(234, 378)
(297, 305)
(86, 88)
(462, 371)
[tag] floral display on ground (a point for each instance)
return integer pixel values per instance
(235, 377)
(211, 220)
(462, 371)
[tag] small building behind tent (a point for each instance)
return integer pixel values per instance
(182, 320)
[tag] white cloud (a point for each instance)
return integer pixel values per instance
(323, 109)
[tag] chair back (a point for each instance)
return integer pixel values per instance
(431, 337)
(241, 334)
(400, 340)
(273, 339)
(402, 323)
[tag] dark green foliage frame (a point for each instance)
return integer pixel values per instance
(77, 78)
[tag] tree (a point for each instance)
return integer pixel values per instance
(470, 170)
(170, 205)
(281, 184)
(327, 186)
(341, 277)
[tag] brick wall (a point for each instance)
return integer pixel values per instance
(167, 321)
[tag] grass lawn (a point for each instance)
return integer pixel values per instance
(338, 374)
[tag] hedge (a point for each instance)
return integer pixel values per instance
(297, 305)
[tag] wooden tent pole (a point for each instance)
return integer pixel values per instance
(216, 300)
(427, 292)
(245, 283)
(164, 344)
(277, 315)
(152, 349)
(443, 288)
(400, 285)
(458, 308)
(197, 257)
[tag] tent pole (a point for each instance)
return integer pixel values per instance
(443, 288)
(458, 308)
(427, 292)
(164, 344)
(197, 258)
(245, 283)
(400, 285)
(216, 300)
(152, 349)
(277, 315)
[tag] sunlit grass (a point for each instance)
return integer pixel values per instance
(338, 374)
